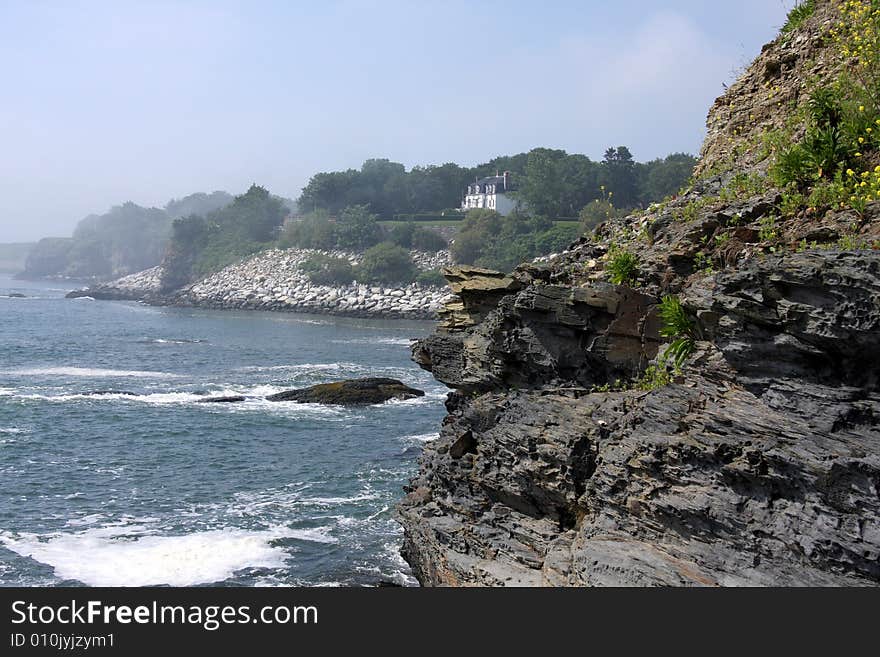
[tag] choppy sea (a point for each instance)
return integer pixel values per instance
(112, 472)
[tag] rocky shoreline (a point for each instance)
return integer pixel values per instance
(272, 281)
(574, 454)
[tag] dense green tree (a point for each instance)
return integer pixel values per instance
(663, 177)
(548, 181)
(202, 245)
(199, 204)
(189, 237)
(618, 176)
(357, 228)
(557, 184)
(256, 215)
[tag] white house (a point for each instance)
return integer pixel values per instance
(491, 192)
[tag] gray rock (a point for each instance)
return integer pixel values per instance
(762, 467)
(350, 392)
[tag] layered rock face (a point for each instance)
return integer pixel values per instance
(761, 467)
(758, 463)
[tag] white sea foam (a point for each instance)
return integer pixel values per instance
(348, 369)
(302, 367)
(13, 430)
(89, 372)
(171, 341)
(405, 342)
(90, 519)
(288, 499)
(123, 556)
(421, 437)
(427, 398)
(255, 402)
(84, 298)
(329, 501)
(155, 398)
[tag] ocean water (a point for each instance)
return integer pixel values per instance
(140, 484)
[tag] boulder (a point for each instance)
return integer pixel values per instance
(350, 392)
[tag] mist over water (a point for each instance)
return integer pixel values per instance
(113, 473)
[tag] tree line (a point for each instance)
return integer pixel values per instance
(126, 239)
(549, 182)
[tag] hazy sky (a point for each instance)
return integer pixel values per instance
(102, 102)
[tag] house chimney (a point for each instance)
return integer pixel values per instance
(506, 174)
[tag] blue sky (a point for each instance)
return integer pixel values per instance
(103, 102)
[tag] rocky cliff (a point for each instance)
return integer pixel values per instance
(575, 452)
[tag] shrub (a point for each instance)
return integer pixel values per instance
(622, 267)
(798, 14)
(489, 240)
(793, 165)
(555, 239)
(432, 277)
(355, 229)
(313, 231)
(386, 263)
(597, 212)
(677, 324)
(655, 376)
(425, 239)
(411, 236)
(327, 270)
(467, 247)
(402, 234)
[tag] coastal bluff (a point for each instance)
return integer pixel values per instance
(273, 281)
(572, 454)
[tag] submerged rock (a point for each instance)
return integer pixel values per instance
(350, 392)
(228, 399)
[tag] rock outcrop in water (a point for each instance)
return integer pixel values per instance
(134, 287)
(351, 392)
(758, 463)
